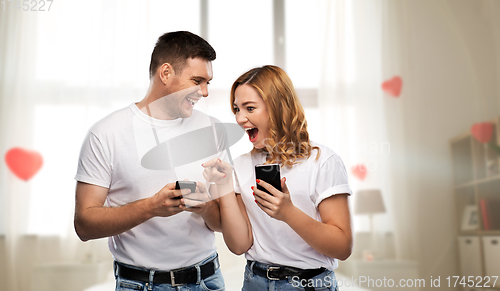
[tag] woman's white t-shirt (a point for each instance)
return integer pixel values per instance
(309, 182)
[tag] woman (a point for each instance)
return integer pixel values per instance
(292, 238)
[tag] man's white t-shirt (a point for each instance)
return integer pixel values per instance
(113, 156)
(309, 183)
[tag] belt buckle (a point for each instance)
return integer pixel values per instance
(172, 280)
(271, 269)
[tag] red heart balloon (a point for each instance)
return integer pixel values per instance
(23, 163)
(359, 171)
(482, 131)
(393, 86)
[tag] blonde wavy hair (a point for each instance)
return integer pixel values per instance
(288, 139)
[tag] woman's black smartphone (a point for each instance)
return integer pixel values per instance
(269, 173)
(191, 185)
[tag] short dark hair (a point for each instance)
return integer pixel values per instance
(176, 48)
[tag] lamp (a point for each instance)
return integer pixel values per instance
(369, 202)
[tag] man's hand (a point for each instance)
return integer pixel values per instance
(197, 202)
(93, 220)
(202, 203)
(166, 202)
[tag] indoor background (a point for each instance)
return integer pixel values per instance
(393, 86)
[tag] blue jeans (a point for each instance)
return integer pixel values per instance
(211, 283)
(253, 282)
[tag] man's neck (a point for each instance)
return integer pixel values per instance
(153, 95)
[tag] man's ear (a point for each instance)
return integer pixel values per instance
(165, 72)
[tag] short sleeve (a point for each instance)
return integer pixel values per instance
(331, 180)
(94, 166)
(243, 173)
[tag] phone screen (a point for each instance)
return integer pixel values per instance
(269, 173)
(185, 185)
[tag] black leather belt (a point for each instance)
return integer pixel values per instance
(174, 277)
(284, 272)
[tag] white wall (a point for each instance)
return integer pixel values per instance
(449, 62)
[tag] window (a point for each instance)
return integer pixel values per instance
(241, 33)
(93, 59)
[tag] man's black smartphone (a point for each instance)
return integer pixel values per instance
(185, 185)
(269, 173)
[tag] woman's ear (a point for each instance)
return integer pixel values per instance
(165, 72)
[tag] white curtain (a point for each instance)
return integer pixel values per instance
(365, 44)
(395, 48)
(15, 127)
(62, 70)
(353, 108)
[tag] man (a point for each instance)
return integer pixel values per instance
(155, 237)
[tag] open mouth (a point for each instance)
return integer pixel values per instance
(192, 101)
(252, 133)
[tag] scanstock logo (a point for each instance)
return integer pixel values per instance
(193, 146)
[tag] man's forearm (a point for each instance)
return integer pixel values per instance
(99, 221)
(212, 216)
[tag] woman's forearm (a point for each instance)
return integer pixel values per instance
(235, 224)
(330, 240)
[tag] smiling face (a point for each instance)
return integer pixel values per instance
(187, 87)
(251, 114)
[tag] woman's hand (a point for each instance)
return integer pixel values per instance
(217, 171)
(220, 173)
(278, 205)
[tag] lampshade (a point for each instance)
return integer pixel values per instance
(369, 201)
